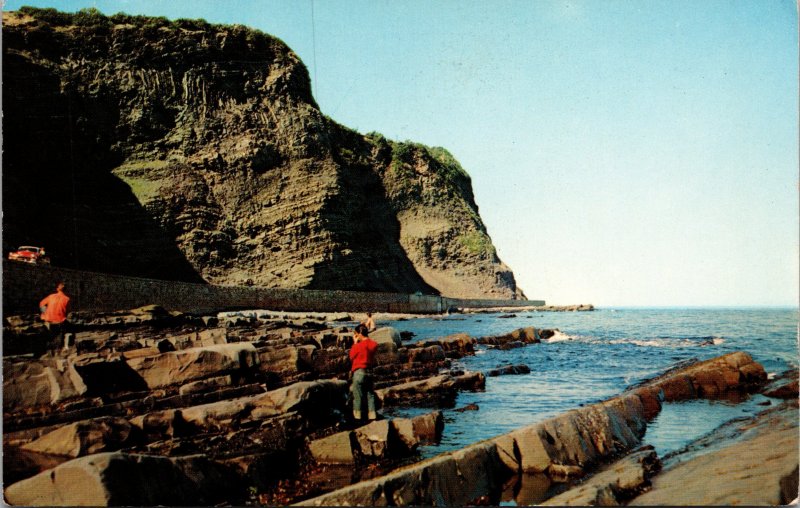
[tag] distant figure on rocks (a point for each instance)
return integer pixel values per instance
(362, 356)
(369, 322)
(54, 314)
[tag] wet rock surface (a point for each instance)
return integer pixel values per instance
(784, 386)
(509, 370)
(615, 484)
(747, 462)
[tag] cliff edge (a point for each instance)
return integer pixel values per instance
(188, 151)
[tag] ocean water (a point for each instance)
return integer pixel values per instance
(598, 355)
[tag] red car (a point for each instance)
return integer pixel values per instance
(29, 254)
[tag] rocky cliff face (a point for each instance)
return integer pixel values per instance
(188, 151)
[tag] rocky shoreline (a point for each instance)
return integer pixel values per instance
(155, 407)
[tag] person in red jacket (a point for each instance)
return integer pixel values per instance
(54, 314)
(362, 356)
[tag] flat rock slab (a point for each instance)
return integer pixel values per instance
(86, 437)
(310, 398)
(523, 336)
(109, 479)
(39, 382)
(434, 390)
(614, 485)
(710, 379)
(756, 464)
(334, 449)
(179, 367)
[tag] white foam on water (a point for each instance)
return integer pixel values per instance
(559, 337)
(667, 342)
(649, 342)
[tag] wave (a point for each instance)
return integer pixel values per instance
(559, 336)
(671, 342)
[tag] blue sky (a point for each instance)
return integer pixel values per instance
(628, 153)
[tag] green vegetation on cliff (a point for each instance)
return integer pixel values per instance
(196, 151)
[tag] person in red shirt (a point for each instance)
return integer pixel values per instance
(362, 356)
(54, 314)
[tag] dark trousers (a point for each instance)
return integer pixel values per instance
(54, 338)
(363, 391)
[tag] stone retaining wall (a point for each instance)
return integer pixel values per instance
(25, 285)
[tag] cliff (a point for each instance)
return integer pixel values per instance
(188, 151)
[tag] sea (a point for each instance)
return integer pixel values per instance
(598, 354)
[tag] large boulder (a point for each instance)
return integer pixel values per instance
(377, 439)
(162, 424)
(86, 437)
(212, 337)
(425, 354)
(329, 362)
(108, 373)
(434, 390)
(422, 429)
(19, 464)
(784, 386)
(316, 400)
(733, 372)
(39, 383)
(470, 381)
(615, 485)
(454, 346)
(388, 339)
(334, 449)
(581, 437)
(521, 336)
(179, 367)
(113, 479)
(438, 390)
(281, 360)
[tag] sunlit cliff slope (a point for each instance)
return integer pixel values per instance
(188, 151)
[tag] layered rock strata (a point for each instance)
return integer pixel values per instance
(188, 151)
(255, 406)
(572, 444)
(110, 479)
(245, 392)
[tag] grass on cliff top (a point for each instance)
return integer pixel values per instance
(93, 18)
(440, 159)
